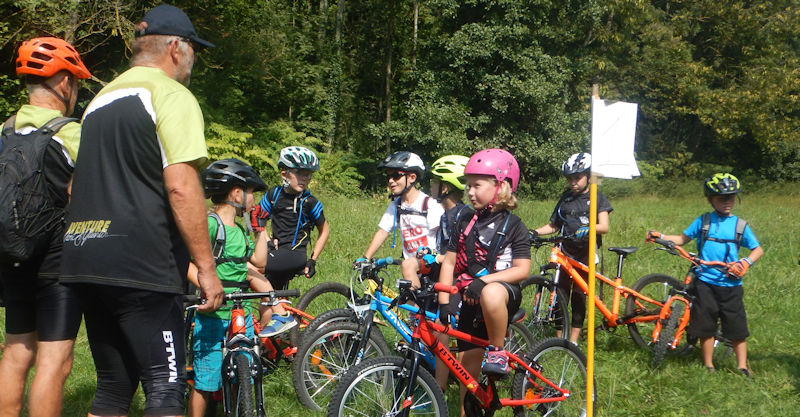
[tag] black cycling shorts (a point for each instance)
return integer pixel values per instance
(135, 336)
(470, 319)
(577, 298)
(283, 264)
(34, 299)
(713, 303)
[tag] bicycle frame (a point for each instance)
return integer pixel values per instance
(423, 335)
(563, 263)
(237, 343)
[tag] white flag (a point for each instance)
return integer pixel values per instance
(613, 135)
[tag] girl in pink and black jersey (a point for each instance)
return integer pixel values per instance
(487, 258)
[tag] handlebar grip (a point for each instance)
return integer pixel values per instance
(452, 289)
(664, 242)
(387, 261)
(287, 293)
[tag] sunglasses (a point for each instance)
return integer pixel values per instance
(394, 176)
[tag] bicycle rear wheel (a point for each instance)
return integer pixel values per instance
(324, 356)
(563, 364)
(549, 313)
(378, 386)
(329, 317)
(659, 287)
(667, 334)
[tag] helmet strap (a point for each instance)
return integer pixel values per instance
(58, 96)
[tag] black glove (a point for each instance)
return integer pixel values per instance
(448, 313)
(474, 289)
(312, 268)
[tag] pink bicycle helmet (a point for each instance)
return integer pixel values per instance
(494, 162)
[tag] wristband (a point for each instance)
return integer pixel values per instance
(748, 260)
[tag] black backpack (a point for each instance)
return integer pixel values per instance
(27, 213)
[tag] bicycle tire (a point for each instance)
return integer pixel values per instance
(667, 334)
(245, 400)
(329, 317)
(324, 296)
(546, 320)
(563, 364)
(377, 387)
(321, 360)
(519, 339)
(658, 287)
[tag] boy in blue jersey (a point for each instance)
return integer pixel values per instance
(719, 296)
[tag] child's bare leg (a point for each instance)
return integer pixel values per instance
(494, 299)
(410, 269)
(740, 349)
(707, 351)
(442, 372)
(471, 360)
(198, 402)
(575, 334)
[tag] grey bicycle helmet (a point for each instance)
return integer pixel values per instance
(221, 176)
(577, 163)
(298, 157)
(404, 161)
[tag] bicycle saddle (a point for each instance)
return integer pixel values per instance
(624, 251)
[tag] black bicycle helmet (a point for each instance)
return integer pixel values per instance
(721, 184)
(220, 176)
(577, 164)
(404, 161)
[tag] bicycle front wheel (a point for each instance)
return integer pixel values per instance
(324, 356)
(245, 398)
(561, 363)
(378, 387)
(549, 313)
(667, 334)
(319, 299)
(659, 287)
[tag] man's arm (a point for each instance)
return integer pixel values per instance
(188, 208)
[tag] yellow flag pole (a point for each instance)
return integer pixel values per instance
(591, 295)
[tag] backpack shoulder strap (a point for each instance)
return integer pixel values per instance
(425, 205)
(495, 245)
(705, 224)
(741, 224)
(219, 239)
(55, 124)
(8, 126)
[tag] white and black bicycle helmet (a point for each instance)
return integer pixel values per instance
(404, 161)
(221, 176)
(577, 164)
(298, 157)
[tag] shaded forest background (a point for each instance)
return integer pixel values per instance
(717, 82)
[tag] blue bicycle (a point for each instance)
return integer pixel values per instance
(329, 351)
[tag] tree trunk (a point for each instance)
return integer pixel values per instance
(416, 29)
(387, 92)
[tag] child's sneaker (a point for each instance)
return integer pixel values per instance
(495, 363)
(277, 325)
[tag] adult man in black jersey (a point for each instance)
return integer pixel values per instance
(137, 215)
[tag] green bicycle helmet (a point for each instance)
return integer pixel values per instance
(721, 184)
(450, 169)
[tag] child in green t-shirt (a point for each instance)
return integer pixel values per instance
(230, 184)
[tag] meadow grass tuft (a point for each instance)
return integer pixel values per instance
(625, 383)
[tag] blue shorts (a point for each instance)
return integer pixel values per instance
(207, 350)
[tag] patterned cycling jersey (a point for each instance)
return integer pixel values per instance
(293, 216)
(120, 227)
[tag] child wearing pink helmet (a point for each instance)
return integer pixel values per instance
(487, 258)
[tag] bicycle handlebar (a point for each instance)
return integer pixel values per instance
(674, 249)
(538, 241)
(376, 264)
(196, 299)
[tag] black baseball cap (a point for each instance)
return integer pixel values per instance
(170, 20)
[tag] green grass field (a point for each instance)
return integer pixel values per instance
(625, 383)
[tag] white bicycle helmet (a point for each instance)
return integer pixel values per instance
(577, 163)
(298, 157)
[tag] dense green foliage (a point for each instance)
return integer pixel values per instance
(717, 81)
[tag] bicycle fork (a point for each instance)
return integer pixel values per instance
(663, 315)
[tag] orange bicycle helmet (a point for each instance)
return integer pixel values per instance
(47, 56)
